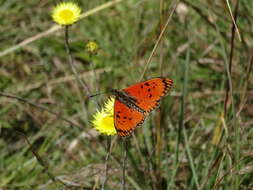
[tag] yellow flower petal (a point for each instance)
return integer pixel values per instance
(66, 13)
(104, 120)
(109, 105)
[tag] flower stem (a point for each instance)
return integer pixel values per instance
(95, 77)
(109, 145)
(82, 83)
(124, 164)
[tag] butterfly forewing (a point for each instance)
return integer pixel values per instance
(149, 93)
(126, 119)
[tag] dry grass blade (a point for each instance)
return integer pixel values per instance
(58, 115)
(233, 19)
(232, 169)
(243, 96)
(56, 81)
(41, 161)
(229, 87)
(158, 40)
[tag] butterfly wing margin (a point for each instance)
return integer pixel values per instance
(149, 93)
(126, 119)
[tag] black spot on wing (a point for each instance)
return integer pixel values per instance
(168, 83)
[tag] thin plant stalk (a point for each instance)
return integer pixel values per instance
(188, 152)
(158, 145)
(181, 129)
(82, 83)
(230, 61)
(84, 87)
(159, 39)
(159, 138)
(181, 123)
(234, 18)
(185, 68)
(109, 140)
(43, 163)
(109, 144)
(236, 124)
(230, 91)
(162, 15)
(95, 77)
(41, 107)
(245, 87)
(123, 180)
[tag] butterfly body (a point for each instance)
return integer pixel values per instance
(134, 103)
(127, 99)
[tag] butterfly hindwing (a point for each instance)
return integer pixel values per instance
(149, 93)
(126, 119)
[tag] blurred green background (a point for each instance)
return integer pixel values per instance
(193, 141)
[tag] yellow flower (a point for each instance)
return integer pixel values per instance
(92, 47)
(66, 13)
(103, 120)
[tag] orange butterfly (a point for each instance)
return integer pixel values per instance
(134, 103)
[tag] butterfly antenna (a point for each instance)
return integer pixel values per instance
(93, 95)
